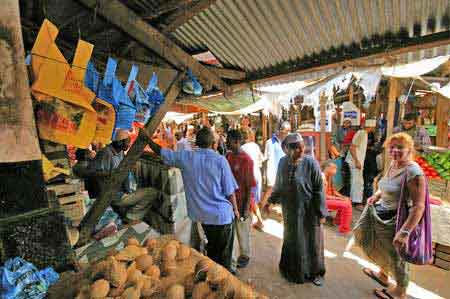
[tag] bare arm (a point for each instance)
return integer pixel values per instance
(416, 189)
(356, 162)
(232, 199)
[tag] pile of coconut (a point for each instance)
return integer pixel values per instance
(161, 269)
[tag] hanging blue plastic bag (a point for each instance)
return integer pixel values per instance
(22, 280)
(155, 96)
(191, 85)
(138, 96)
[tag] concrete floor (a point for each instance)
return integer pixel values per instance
(344, 278)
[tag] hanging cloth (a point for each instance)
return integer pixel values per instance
(64, 112)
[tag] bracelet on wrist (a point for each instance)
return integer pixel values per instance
(405, 232)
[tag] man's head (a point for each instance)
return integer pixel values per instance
(190, 131)
(284, 130)
(347, 122)
(178, 136)
(205, 138)
(121, 140)
(294, 145)
(235, 140)
(248, 135)
(329, 168)
(409, 121)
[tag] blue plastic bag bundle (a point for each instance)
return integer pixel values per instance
(102, 88)
(155, 96)
(22, 280)
(108, 217)
(191, 85)
(139, 97)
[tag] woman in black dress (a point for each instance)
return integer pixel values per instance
(299, 189)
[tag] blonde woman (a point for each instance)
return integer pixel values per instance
(383, 205)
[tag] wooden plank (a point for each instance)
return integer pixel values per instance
(112, 186)
(168, 6)
(227, 73)
(443, 256)
(63, 189)
(183, 15)
(392, 97)
(442, 116)
(128, 21)
(442, 264)
(443, 248)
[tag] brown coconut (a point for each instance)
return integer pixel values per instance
(175, 291)
(151, 244)
(116, 292)
(131, 293)
(84, 293)
(99, 270)
(143, 262)
(149, 286)
(133, 241)
(217, 274)
(168, 267)
(169, 253)
(117, 273)
(134, 275)
(153, 271)
(225, 289)
(99, 289)
(130, 253)
(183, 252)
(200, 291)
(189, 282)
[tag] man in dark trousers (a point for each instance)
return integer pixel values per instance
(210, 186)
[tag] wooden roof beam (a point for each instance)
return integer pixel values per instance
(170, 5)
(183, 15)
(227, 73)
(128, 21)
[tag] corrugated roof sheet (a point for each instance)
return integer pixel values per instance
(258, 34)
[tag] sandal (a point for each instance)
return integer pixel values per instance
(372, 275)
(382, 294)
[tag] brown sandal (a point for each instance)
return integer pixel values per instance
(372, 275)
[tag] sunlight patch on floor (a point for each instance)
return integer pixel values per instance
(413, 289)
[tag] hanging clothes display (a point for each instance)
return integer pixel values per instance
(64, 113)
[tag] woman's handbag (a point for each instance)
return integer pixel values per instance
(419, 249)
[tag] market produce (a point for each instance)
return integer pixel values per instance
(428, 170)
(440, 162)
(136, 276)
(143, 262)
(133, 241)
(99, 289)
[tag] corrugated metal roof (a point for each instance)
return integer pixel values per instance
(258, 34)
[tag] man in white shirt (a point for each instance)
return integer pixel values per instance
(355, 158)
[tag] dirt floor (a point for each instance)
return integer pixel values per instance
(344, 278)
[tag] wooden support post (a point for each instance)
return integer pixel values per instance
(350, 93)
(322, 122)
(112, 186)
(270, 125)
(442, 117)
(392, 97)
(17, 125)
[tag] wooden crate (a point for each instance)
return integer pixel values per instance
(442, 257)
(70, 199)
(440, 188)
(73, 207)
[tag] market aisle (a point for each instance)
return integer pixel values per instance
(344, 278)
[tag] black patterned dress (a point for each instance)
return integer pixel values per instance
(299, 190)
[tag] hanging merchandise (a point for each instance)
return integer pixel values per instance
(63, 113)
(138, 96)
(349, 110)
(191, 85)
(105, 107)
(155, 96)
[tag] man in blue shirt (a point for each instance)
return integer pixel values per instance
(210, 186)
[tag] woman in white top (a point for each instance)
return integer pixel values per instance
(254, 151)
(385, 202)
